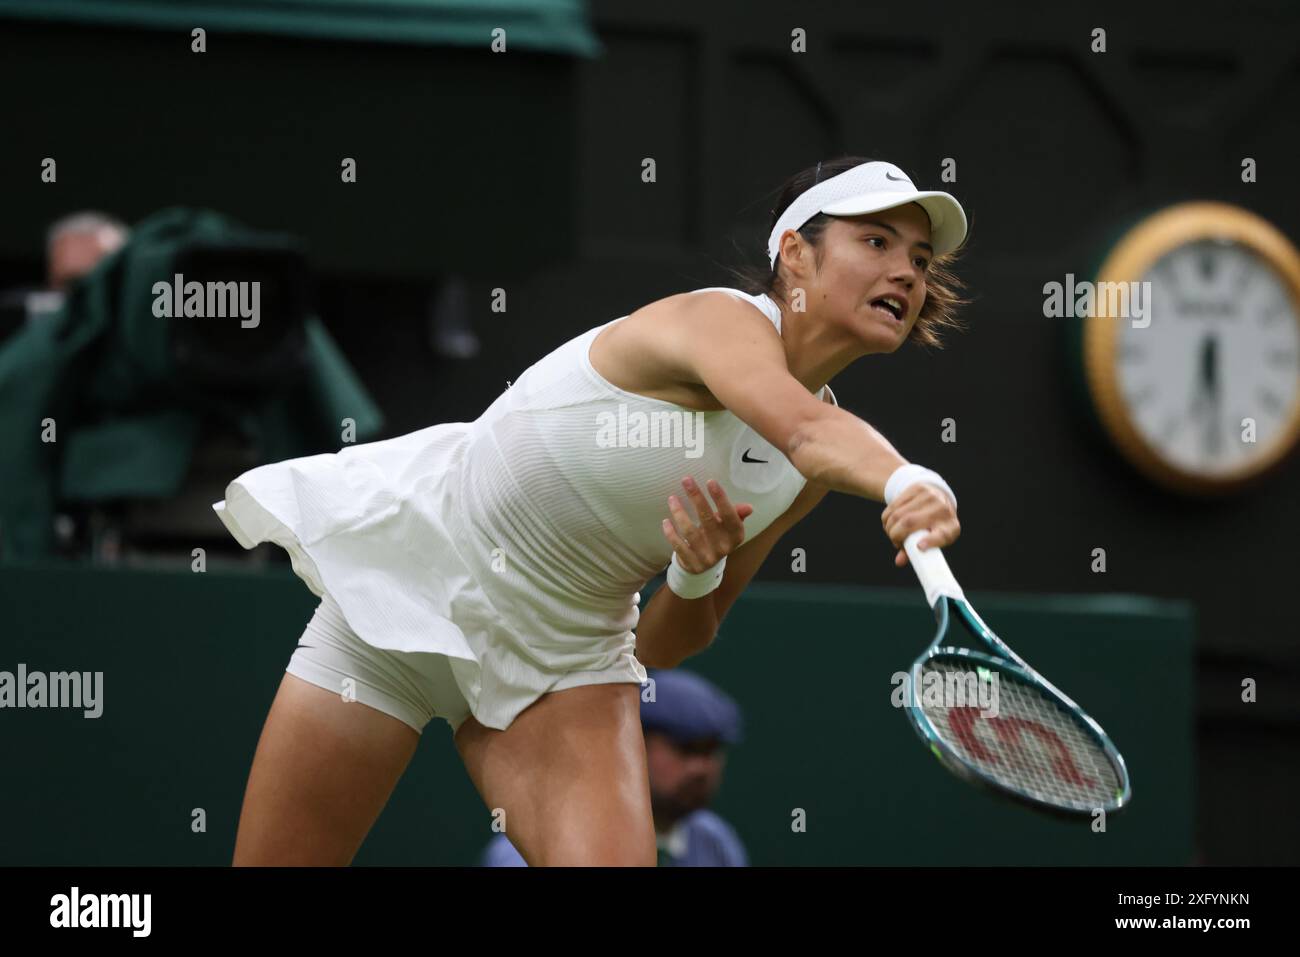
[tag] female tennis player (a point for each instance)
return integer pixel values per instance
(489, 572)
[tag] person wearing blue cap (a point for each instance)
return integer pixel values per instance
(687, 723)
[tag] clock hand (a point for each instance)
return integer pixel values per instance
(1210, 363)
(1201, 387)
(1210, 390)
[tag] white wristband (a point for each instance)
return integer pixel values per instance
(684, 584)
(908, 475)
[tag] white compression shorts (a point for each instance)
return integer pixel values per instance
(411, 686)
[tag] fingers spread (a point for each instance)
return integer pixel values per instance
(701, 543)
(683, 550)
(731, 520)
(702, 507)
(682, 520)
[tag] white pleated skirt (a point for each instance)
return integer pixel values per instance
(368, 526)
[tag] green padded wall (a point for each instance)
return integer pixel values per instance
(191, 663)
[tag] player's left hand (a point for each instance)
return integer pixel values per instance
(701, 545)
(921, 506)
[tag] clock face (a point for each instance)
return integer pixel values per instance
(1214, 378)
(1197, 382)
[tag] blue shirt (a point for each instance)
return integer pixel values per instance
(701, 839)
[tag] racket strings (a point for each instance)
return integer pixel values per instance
(1033, 744)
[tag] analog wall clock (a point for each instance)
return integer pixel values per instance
(1202, 392)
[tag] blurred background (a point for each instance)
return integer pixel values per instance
(385, 173)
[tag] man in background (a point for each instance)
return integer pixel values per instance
(687, 723)
(75, 244)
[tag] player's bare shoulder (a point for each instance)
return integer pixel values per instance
(648, 352)
(726, 315)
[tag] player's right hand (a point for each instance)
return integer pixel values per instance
(921, 506)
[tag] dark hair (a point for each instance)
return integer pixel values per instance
(938, 314)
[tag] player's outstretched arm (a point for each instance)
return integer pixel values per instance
(731, 349)
(738, 355)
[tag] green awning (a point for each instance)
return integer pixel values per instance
(551, 26)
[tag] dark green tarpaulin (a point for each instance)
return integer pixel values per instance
(550, 26)
(69, 372)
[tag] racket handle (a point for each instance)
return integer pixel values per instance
(932, 569)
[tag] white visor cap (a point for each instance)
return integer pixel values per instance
(869, 188)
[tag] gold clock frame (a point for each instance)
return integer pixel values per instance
(1136, 252)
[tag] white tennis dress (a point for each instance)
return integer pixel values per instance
(517, 544)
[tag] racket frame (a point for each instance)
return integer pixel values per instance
(944, 595)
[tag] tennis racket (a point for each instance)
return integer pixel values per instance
(1035, 746)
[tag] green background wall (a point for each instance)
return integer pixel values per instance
(192, 661)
